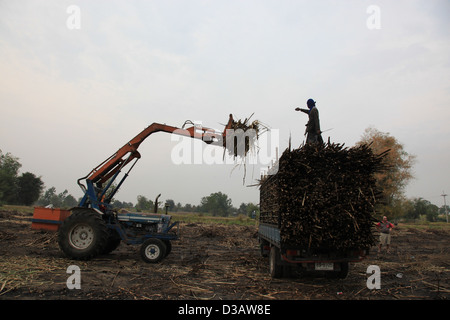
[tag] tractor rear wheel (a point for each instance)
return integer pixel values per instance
(83, 235)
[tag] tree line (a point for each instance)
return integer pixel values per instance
(14, 188)
(417, 209)
(216, 204)
(28, 189)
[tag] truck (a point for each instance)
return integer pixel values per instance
(94, 227)
(314, 254)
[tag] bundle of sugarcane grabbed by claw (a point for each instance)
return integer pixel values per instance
(242, 137)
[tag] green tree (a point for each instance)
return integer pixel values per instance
(248, 209)
(252, 210)
(432, 212)
(48, 198)
(402, 207)
(117, 204)
(422, 207)
(144, 204)
(9, 168)
(242, 209)
(445, 209)
(70, 201)
(60, 200)
(170, 205)
(216, 203)
(29, 188)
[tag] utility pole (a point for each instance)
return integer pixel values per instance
(445, 205)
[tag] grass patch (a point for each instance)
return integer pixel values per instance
(11, 208)
(189, 217)
(22, 272)
(425, 225)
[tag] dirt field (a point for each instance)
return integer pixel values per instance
(213, 261)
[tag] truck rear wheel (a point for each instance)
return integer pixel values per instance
(83, 235)
(342, 273)
(264, 247)
(275, 267)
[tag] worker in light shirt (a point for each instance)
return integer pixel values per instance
(385, 228)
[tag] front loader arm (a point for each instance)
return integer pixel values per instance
(111, 167)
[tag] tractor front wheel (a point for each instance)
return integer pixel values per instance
(153, 250)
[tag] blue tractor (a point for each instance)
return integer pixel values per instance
(94, 228)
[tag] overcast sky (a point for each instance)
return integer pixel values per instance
(79, 79)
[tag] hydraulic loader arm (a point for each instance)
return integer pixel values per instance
(111, 167)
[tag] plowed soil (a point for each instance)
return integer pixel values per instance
(213, 262)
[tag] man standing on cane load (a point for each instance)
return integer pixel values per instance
(312, 132)
(385, 228)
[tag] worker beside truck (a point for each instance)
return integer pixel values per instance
(385, 228)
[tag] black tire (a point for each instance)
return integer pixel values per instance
(153, 250)
(275, 267)
(263, 244)
(342, 274)
(83, 235)
(113, 241)
(168, 247)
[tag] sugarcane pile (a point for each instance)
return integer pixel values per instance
(243, 136)
(323, 196)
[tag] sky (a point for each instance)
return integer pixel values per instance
(79, 79)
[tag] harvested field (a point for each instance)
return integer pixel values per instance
(213, 262)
